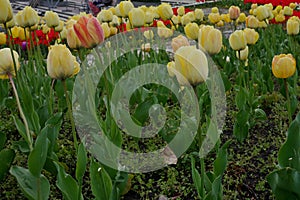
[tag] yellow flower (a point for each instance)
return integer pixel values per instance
(292, 27)
(234, 12)
(280, 17)
(45, 29)
(192, 64)
(176, 19)
(220, 23)
(125, 7)
(287, 11)
(113, 10)
(243, 54)
(283, 65)
(181, 11)
(214, 10)
(185, 20)
(261, 13)
(11, 23)
(165, 11)
(52, 19)
(61, 64)
(262, 24)
(252, 22)
(117, 11)
(106, 29)
(27, 17)
(60, 27)
(63, 33)
(163, 31)
(251, 35)
(199, 14)
(191, 16)
(237, 40)
(171, 68)
(149, 16)
(136, 17)
(2, 38)
(15, 32)
(149, 34)
(191, 30)
(210, 39)
(214, 18)
(113, 30)
(292, 5)
(6, 12)
(155, 12)
(7, 64)
(242, 18)
(178, 42)
(23, 35)
(144, 8)
(225, 18)
(278, 8)
(105, 16)
(253, 6)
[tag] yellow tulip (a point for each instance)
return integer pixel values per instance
(165, 11)
(262, 24)
(181, 10)
(149, 34)
(27, 17)
(106, 29)
(234, 12)
(252, 22)
(210, 39)
(191, 30)
(278, 8)
(226, 18)
(283, 65)
(60, 26)
(45, 29)
(199, 14)
(72, 39)
(125, 7)
(149, 16)
(214, 10)
(191, 16)
(220, 23)
(176, 19)
(113, 10)
(192, 64)
(105, 16)
(287, 11)
(6, 12)
(243, 54)
(115, 21)
(292, 27)
(117, 11)
(171, 68)
(143, 7)
(262, 13)
(214, 18)
(70, 23)
(178, 42)
(113, 30)
(2, 38)
(292, 5)
(185, 20)
(253, 6)
(52, 19)
(251, 35)
(11, 23)
(154, 11)
(163, 31)
(15, 32)
(61, 64)
(136, 17)
(6, 63)
(242, 18)
(237, 40)
(63, 33)
(23, 35)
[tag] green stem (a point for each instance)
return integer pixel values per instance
(21, 112)
(70, 115)
(11, 49)
(202, 163)
(50, 109)
(288, 100)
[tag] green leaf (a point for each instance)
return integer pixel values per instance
(2, 140)
(67, 184)
(216, 191)
(289, 153)
(196, 177)
(21, 128)
(81, 162)
(285, 183)
(7, 157)
(260, 114)
(142, 111)
(241, 126)
(100, 181)
(221, 161)
(34, 188)
(241, 98)
(38, 155)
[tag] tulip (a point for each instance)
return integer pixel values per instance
(2, 38)
(70, 23)
(11, 23)
(60, 26)
(105, 16)
(146, 47)
(210, 39)
(149, 16)
(113, 10)
(214, 18)
(61, 64)
(154, 10)
(27, 17)
(181, 10)
(45, 29)
(214, 10)
(89, 31)
(117, 11)
(6, 12)
(149, 34)
(220, 23)
(23, 34)
(163, 31)
(234, 12)
(178, 42)
(262, 24)
(226, 18)
(165, 11)
(113, 30)
(292, 27)
(242, 18)
(171, 68)
(125, 7)
(7, 64)
(261, 13)
(243, 54)
(175, 19)
(191, 30)
(143, 7)
(199, 14)
(191, 16)
(253, 6)
(115, 21)
(185, 20)
(63, 33)
(283, 66)
(251, 35)
(136, 17)
(52, 19)
(287, 11)
(237, 40)
(252, 22)
(292, 5)
(192, 64)
(106, 29)
(72, 39)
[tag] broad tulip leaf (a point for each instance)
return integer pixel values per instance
(2, 140)
(196, 177)
(241, 126)
(285, 183)
(33, 187)
(20, 127)
(81, 162)
(221, 161)
(100, 181)
(289, 153)
(241, 98)
(38, 155)
(7, 157)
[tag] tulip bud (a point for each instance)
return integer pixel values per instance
(199, 14)
(27, 17)
(252, 22)
(243, 54)
(261, 13)
(115, 20)
(154, 11)
(72, 39)
(226, 18)
(192, 64)
(125, 7)
(2, 38)
(214, 10)
(234, 12)
(242, 18)
(178, 42)
(113, 30)
(52, 19)
(253, 6)
(262, 24)
(287, 11)
(191, 30)
(292, 5)
(210, 39)
(63, 33)
(185, 20)
(89, 31)
(23, 34)
(136, 17)
(149, 16)
(214, 18)
(7, 64)
(106, 29)
(60, 26)
(6, 12)
(165, 11)
(191, 16)
(237, 40)
(292, 27)
(181, 11)
(105, 16)
(283, 65)
(176, 19)
(45, 29)
(61, 64)
(251, 35)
